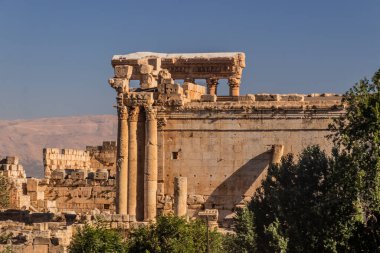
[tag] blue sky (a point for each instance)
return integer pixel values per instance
(55, 55)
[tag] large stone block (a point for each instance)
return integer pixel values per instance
(32, 184)
(267, 97)
(208, 98)
(292, 97)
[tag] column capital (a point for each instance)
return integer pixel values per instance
(234, 82)
(212, 81)
(122, 112)
(212, 84)
(134, 113)
(121, 85)
(151, 113)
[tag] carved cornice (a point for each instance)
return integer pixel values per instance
(181, 66)
(161, 123)
(135, 99)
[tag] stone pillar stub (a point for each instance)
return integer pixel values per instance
(151, 169)
(278, 151)
(212, 86)
(122, 161)
(132, 162)
(180, 196)
(234, 84)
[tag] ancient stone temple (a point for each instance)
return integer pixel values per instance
(181, 148)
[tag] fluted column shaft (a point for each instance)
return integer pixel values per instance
(132, 162)
(151, 170)
(122, 161)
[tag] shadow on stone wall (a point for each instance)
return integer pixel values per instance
(242, 182)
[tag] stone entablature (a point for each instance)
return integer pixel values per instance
(155, 68)
(183, 66)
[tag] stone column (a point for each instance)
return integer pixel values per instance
(234, 84)
(180, 196)
(122, 160)
(132, 162)
(278, 151)
(212, 86)
(151, 170)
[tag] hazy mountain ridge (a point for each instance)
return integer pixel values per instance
(27, 138)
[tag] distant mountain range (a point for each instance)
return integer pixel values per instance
(27, 138)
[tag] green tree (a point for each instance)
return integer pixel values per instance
(306, 206)
(244, 239)
(97, 239)
(358, 133)
(277, 242)
(174, 234)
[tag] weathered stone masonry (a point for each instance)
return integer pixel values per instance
(181, 148)
(220, 145)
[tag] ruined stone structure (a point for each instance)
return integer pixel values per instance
(14, 172)
(171, 133)
(181, 148)
(80, 180)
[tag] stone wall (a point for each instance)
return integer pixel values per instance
(82, 197)
(103, 157)
(224, 148)
(78, 180)
(54, 158)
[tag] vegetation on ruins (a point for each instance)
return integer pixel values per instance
(97, 239)
(4, 192)
(168, 234)
(174, 234)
